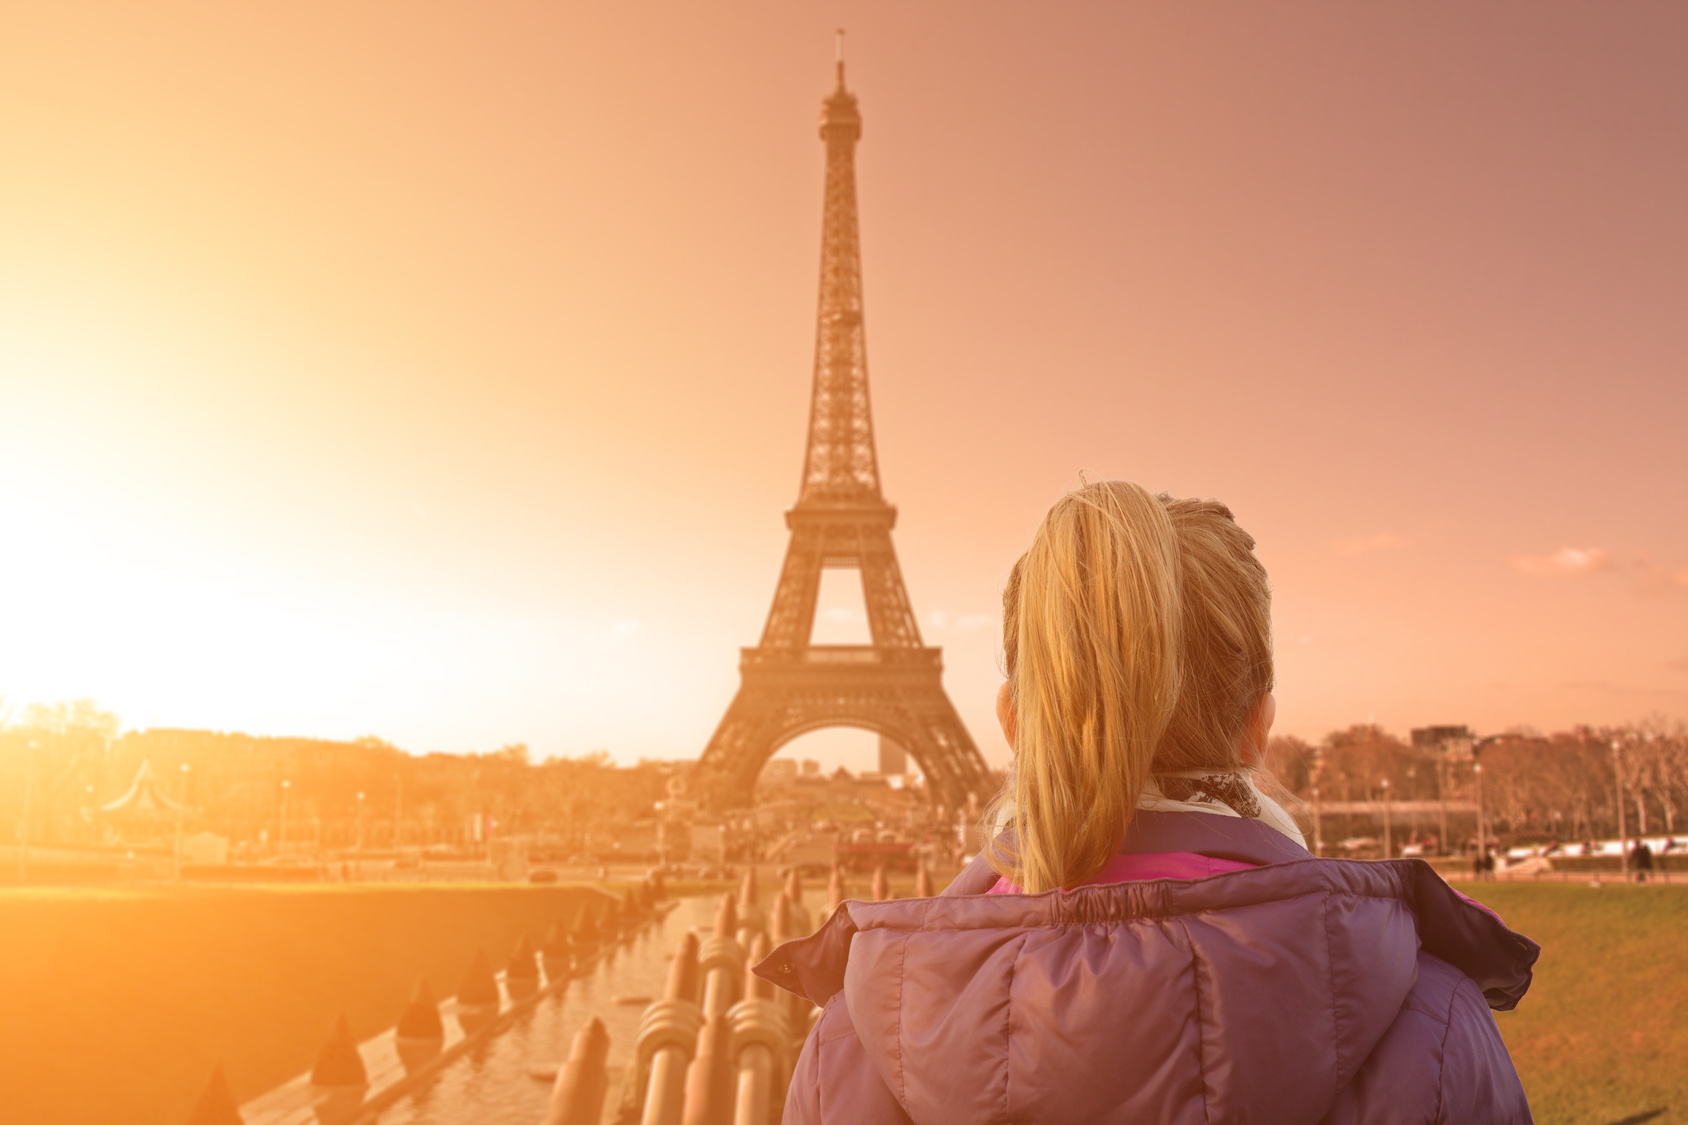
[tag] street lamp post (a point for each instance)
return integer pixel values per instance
(1623, 828)
(1388, 834)
(360, 827)
(1442, 801)
(28, 793)
(1318, 828)
(1482, 836)
(281, 836)
(181, 818)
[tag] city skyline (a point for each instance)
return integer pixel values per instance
(455, 396)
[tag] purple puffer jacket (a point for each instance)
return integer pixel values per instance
(1303, 991)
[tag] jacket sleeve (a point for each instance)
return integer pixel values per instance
(835, 1082)
(1479, 1082)
(1442, 1061)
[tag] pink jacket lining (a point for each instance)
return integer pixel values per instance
(1156, 865)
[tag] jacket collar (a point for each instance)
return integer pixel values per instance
(1219, 837)
(1450, 926)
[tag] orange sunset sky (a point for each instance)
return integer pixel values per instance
(440, 370)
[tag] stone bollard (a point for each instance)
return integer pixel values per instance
(922, 883)
(578, 1096)
(881, 888)
(521, 974)
(749, 907)
(587, 935)
(656, 1080)
(761, 1045)
(558, 953)
(477, 995)
(419, 1035)
(721, 961)
(835, 891)
(710, 1078)
(793, 1007)
(216, 1106)
(339, 1063)
(339, 1076)
(800, 920)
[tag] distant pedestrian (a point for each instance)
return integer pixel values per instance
(1643, 856)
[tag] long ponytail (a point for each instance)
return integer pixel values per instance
(1092, 633)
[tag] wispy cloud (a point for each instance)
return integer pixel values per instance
(1365, 544)
(1663, 580)
(1566, 562)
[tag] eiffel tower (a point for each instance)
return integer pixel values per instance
(789, 686)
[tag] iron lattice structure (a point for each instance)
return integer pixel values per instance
(789, 686)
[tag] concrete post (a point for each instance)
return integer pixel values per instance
(835, 890)
(761, 1047)
(477, 995)
(667, 1042)
(721, 961)
(216, 1106)
(340, 1063)
(709, 1080)
(420, 1034)
(578, 1096)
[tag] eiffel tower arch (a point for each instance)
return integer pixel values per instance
(789, 686)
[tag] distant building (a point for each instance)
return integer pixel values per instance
(1454, 741)
(779, 771)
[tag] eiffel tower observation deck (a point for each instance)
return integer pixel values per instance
(789, 686)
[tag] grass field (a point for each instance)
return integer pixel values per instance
(1603, 1034)
(118, 1002)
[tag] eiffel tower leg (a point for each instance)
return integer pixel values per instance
(745, 739)
(945, 751)
(791, 620)
(888, 611)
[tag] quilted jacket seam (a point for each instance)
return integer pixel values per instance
(1008, 1027)
(1196, 990)
(902, 973)
(1442, 1053)
(1335, 1011)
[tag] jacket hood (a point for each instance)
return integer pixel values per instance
(1224, 996)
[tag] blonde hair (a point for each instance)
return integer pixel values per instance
(1137, 637)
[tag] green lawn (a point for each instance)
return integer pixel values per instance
(118, 1002)
(1603, 1033)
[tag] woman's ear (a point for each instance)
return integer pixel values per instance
(1257, 731)
(1005, 712)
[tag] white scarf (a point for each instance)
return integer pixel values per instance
(1217, 793)
(1202, 798)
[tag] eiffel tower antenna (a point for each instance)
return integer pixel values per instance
(789, 686)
